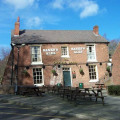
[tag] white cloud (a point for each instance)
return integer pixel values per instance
(85, 7)
(19, 4)
(33, 22)
(58, 4)
(89, 9)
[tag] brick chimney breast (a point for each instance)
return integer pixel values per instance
(17, 27)
(96, 30)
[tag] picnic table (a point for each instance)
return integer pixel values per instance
(33, 90)
(99, 85)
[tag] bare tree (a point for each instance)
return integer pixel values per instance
(4, 54)
(112, 46)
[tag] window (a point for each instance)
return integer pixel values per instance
(66, 69)
(37, 76)
(36, 54)
(64, 51)
(93, 73)
(91, 53)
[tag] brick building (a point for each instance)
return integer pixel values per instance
(116, 66)
(48, 57)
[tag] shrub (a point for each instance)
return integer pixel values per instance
(114, 89)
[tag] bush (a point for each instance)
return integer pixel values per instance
(114, 90)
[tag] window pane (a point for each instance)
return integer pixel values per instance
(64, 51)
(91, 52)
(37, 75)
(35, 52)
(92, 72)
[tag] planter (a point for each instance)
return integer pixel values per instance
(25, 73)
(108, 68)
(81, 71)
(53, 72)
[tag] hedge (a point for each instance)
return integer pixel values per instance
(114, 90)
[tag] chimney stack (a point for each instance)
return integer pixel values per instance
(96, 30)
(17, 27)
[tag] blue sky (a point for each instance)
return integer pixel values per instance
(60, 15)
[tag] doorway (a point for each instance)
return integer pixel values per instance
(66, 77)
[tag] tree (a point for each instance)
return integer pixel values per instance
(4, 54)
(112, 46)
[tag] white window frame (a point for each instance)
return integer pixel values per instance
(66, 56)
(94, 80)
(91, 60)
(37, 62)
(40, 84)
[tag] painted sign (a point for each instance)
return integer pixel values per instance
(50, 51)
(78, 50)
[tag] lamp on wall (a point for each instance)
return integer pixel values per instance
(27, 67)
(86, 64)
(59, 66)
(100, 63)
(43, 66)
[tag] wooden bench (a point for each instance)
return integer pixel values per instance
(99, 94)
(33, 91)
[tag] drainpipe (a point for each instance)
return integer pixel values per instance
(12, 63)
(16, 87)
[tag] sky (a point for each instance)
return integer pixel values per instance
(60, 15)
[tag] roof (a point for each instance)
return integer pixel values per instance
(56, 36)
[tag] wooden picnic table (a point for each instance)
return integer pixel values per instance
(33, 90)
(99, 85)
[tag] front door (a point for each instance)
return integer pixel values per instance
(66, 78)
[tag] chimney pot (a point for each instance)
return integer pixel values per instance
(17, 27)
(96, 30)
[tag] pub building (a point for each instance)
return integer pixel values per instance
(51, 57)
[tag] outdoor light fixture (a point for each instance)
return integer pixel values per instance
(27, 67)
(86, 64)
(43, 66)
(59, 66)
(100, 63)
(16, 67)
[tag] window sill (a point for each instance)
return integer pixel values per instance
(36, 63)
(91, 60)
(96, 80)
(65, 56)
(41, 84)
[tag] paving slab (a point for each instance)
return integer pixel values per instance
(85, 110)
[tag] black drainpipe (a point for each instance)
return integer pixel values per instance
(12, 64)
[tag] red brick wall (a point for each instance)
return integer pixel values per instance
(116, 66)
(48, 60)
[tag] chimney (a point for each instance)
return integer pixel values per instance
(17, 26)
(96, 30)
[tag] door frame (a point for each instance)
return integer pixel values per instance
(70, 74)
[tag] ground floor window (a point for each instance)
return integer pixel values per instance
(37, 75)
(93, 72)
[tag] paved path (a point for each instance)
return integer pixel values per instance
(110, 111)
(15, 112)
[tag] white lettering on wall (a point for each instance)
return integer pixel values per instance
(78, 50)
(50, 51)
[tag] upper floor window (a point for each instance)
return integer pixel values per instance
(91, 52)
(36, 54)
(65, 52)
